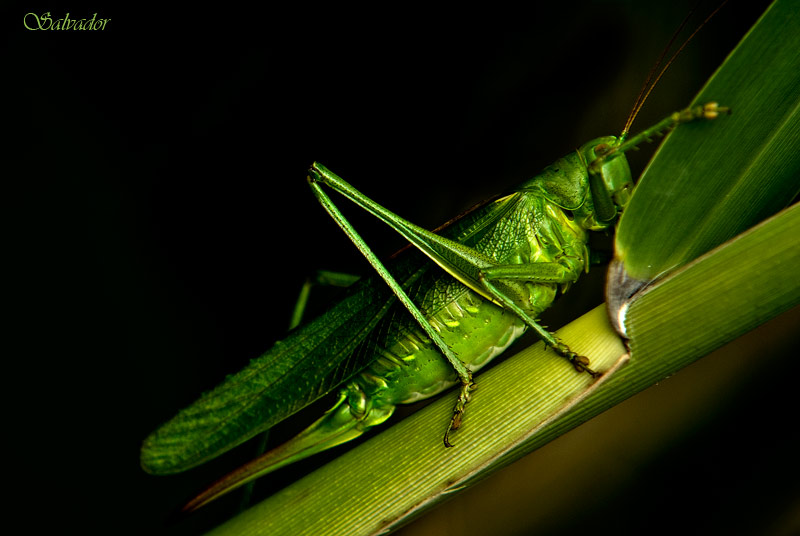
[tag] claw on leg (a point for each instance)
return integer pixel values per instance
(458, 412)
(579, 362)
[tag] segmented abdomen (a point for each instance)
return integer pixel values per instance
(407, 366)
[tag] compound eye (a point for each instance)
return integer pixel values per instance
(601, 149)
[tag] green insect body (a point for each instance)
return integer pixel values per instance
(522, 249)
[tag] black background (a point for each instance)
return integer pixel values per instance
(160, 224)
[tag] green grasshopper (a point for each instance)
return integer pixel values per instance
(417, 327)
(421, 326)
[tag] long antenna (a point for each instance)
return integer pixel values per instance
(647, 87)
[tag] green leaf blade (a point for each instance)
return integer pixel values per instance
(710, 181)
(535, 396)
(405, 470)
(720, 296)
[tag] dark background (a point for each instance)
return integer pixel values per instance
(159, 220)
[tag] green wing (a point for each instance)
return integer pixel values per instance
(308, 364)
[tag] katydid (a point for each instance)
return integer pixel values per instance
(499, 266)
